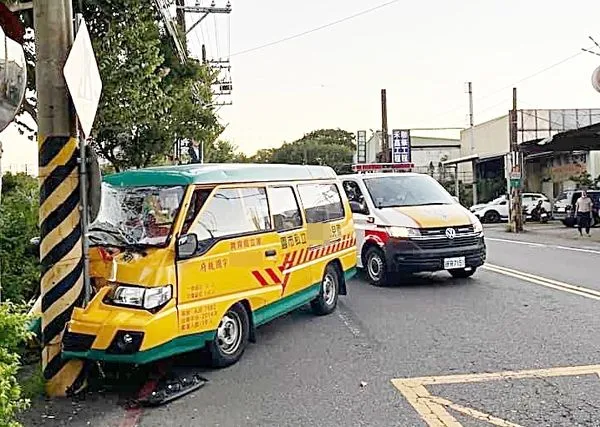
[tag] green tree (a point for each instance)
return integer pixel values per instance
(583, 180)
(224, 152)
(18, 224)
(264, 155)
(331, 147)
(331, 137)
(13, 332)
(150, 100)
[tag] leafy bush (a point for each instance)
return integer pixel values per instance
(13, 331)
(19, 266)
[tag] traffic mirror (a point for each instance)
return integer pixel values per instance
(13, 78)
(596, 79)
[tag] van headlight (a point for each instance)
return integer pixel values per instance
(146, 298)
(477, 227)
(403, 232)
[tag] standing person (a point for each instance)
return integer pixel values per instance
(583, 210)
(194, 152)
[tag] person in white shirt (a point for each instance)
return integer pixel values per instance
(583, 210)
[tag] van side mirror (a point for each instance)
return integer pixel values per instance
(187, 246)
(358, 208)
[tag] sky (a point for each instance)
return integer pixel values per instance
(422, 52)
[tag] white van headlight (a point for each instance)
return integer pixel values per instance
(147, 298)
(477, 227)
(403, 232)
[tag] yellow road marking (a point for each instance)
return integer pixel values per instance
(433, 409)
(542, 281)
(473, 413)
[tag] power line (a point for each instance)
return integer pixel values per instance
(313, 30)
(537, 73)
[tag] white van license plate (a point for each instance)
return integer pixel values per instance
(454, 263)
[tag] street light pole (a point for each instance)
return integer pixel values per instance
(61, 254)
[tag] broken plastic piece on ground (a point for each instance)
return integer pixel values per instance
(168, 390)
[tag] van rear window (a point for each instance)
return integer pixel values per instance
(322, 202)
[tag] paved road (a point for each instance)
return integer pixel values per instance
(525, 311)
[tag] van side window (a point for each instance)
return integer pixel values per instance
(322, 202)
(198, 199)
(353, 192)
(284, 207)
(233, 211)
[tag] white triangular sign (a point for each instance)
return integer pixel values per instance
(83, 79)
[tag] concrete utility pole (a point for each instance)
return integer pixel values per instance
(385, 143)
(472, 138)
(516, 170)
(61, 251)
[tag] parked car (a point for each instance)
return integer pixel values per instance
(478, 206)
(564, 207)
(498, 210)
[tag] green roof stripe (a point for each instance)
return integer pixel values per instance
(217, 173)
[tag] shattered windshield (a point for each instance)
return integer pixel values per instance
(136, 216)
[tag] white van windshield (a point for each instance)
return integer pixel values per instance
(409, 190)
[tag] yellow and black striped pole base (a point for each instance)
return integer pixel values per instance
(61, 256)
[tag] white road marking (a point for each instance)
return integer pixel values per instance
(542, 245)
(542, 281)
(349, 323)
(517, 242)
(589, 251)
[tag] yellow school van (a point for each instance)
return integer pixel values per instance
(195, 256)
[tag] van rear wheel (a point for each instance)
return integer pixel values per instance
(231, 337)
(327, 300)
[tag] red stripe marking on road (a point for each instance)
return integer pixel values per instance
(131, 418)
(274, 277)
(260, 278)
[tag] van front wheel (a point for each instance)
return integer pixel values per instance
(376, 267)
(327, 300)
(231, 337)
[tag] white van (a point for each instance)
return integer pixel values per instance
(407, 223)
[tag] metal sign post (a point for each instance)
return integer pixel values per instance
(85, 86)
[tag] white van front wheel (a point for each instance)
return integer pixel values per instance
(376, 267)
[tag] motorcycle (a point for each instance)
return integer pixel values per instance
(539, 214)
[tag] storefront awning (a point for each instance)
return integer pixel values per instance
(474, 158)
(582, 139)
